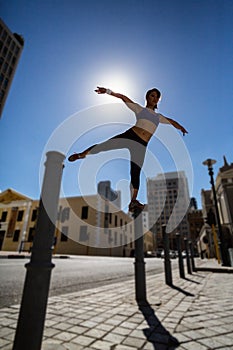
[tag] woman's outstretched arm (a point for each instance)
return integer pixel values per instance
(166, 120)
(131, 104)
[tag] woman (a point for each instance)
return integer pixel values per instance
(135, 139)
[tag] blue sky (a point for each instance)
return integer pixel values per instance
(184, 48)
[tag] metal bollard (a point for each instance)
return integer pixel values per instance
(31, 319)
(167, 262)
(187, 255)
(180, 257)
(139, 270)
(192, 256)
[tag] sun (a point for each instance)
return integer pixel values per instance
(116, 79)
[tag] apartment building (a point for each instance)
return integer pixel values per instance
(11, 46)
(87, 225)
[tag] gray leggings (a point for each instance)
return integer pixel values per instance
(136, 146)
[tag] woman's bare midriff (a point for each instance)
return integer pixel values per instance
(143, 134)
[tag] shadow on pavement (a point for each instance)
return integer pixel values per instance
(182, 291)
(188, 279)
(157, 333)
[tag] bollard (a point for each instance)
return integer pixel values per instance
(167, 262)
(180, 257)
(31, 319)
(187, 256)
(139, 265)
(192, 256)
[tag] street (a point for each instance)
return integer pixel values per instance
(73, 274)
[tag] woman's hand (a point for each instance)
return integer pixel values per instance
(100, 90)
(183, 130)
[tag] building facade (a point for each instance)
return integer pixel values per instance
(11, 46)
(168, 202)
(224, 192)
(88, 225)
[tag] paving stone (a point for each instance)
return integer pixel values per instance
(134, 342)
(194, 346)
(5, 331)
(128, 325)
(114, 338)
(137, 334)
(102, 345)
(95, 333)
(104, 327)
(83, 340)
(72, 346)
(78, 329)
(4, 342)
(123, 347)
(64, 336)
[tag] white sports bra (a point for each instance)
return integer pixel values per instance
(147, 120)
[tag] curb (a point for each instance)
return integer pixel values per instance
(215, 269)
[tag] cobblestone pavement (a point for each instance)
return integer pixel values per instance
(196, 313)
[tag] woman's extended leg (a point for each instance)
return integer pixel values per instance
(117, 142)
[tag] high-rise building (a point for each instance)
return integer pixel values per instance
(168, 202)
(11, 46)
(105, 190)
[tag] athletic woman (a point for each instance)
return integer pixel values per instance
(134, 139)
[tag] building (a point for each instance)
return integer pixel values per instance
(168, 202)
(11, 46)
(87, 225)
(105, 190)
(224, 192)
(196, 222)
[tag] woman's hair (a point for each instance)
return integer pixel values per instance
(152, 90)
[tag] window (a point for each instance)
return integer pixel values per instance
(64, 234)
(5, 83)
(4, 52)
(16, 50)
(110, 236)
(13, 60)
(84, 213)
(110, 218)
(34, 215)
(65, 214)
(5, 67)
(115, 220)
(121, 239)
(16, 236)
(4, 216)
(8, 40)
(9, 56)
(4, 35)
(83, 235)
(31, 234)
(12, 45)
(20, 215)
(105, 220)
(10, 70)
(115, 238)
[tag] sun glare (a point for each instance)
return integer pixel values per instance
(118, 81)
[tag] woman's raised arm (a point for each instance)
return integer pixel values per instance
(130, 104)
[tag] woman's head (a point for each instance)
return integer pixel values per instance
(152, 98)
